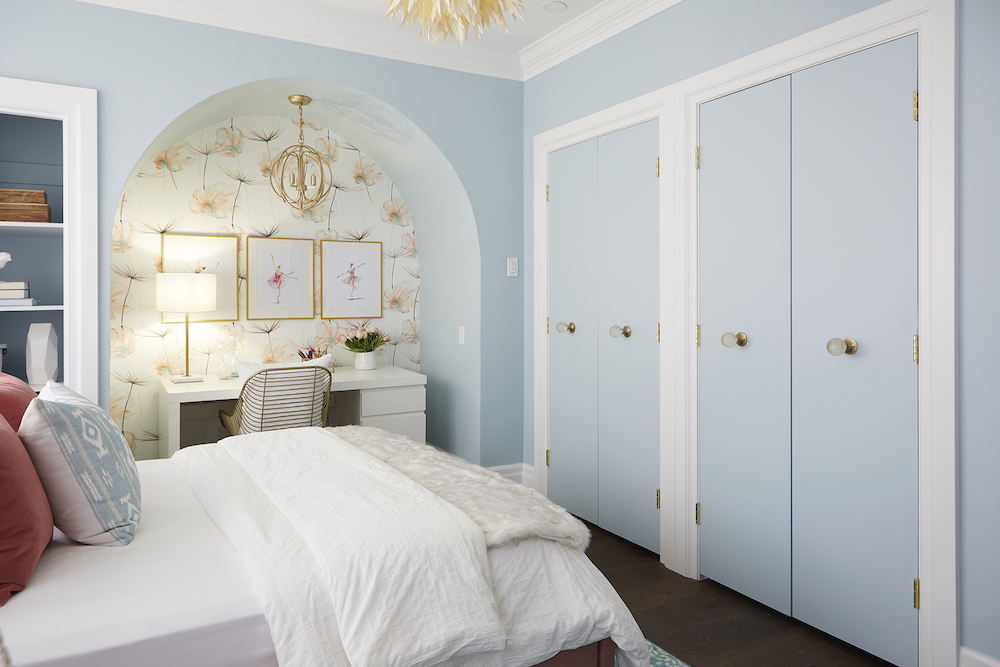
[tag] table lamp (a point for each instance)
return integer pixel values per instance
(185, 293)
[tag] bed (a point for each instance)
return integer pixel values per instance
(217, 577)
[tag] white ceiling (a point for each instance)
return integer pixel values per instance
(539, 41)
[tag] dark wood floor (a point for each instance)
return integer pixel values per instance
(707, 625)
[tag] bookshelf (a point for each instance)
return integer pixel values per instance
(58, 259)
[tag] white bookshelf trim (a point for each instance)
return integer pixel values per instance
(77, 109)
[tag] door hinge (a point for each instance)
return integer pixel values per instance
(657, 332)
(916, 593)
(916, 105)
(547, 325)
(657, 167)
(697, 158)
(548, 458)
(697, 513)
(657, 499)
(697, 335)
(546, 193)
(916, 349)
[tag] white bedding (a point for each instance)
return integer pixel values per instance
(181, 595)
(177, 595)
(549, 596)
(401, 574)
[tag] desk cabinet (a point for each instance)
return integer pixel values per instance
(388, 397)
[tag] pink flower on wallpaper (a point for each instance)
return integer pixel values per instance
(276, 353)
(328, 334)
(400, 298)
(395, 212)
(230, 141)
(214, 200)
(169, 363)
(366, 173)
(317, 214)
(170, 160)
(410, 244)
(122, 343)
(122, 236)
(411, 333)
(328, 150)
(266, 162)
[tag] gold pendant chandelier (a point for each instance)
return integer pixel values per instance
(300, 176)
(453, 18)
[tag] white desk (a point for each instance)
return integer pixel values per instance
(387, 397)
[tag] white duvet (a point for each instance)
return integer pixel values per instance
(357, 564)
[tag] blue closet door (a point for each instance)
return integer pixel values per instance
(744, 391)
(854, 417)
(573, 284)
(629, 369)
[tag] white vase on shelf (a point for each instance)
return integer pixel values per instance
(365, 361)
(41, 353)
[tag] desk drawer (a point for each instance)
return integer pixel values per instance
(412, 424)
(393, 400)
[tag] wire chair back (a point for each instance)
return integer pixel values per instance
(277, 398)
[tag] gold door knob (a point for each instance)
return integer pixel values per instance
(837, 347)
(731, 339)
(617, 331)
(562, 327)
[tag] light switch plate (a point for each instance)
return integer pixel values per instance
(512, 267)
(461, 335)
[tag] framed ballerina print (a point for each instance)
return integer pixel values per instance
(279, 279)
(189, 253)
(351, 281)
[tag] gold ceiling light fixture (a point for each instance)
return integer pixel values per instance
(453, 18)
(300, 175)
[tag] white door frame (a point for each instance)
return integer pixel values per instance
(676, 107)
(77, 109)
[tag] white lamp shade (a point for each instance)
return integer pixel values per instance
(185, 292)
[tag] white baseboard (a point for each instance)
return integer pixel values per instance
(969, 658)
(518, 472)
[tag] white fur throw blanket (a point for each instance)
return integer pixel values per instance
(506, 511)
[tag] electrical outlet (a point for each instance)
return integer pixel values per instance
(461, 335)
(512, 267)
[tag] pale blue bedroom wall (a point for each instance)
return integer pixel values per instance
(149, 70)
(978, 320)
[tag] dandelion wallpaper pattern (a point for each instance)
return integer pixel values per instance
(216, 182)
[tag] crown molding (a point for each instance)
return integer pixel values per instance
(602, 22)
(326, 27)
(330, 29)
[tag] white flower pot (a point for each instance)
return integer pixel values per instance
(365, 361)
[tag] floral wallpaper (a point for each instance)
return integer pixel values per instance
(216, 182)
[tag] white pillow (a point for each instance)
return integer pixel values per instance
(248, 368)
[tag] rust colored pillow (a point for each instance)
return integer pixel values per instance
(26, 527)
(15, 394)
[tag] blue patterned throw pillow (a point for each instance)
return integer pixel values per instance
(85, 465)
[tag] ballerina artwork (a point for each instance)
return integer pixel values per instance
(279, 278)
(201, 268)
(352, 279)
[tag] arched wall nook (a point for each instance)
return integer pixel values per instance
(449, 266)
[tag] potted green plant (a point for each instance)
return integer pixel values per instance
(363, 342)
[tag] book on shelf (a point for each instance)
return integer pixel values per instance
(18, 302)
(13, 293)
(13, 284)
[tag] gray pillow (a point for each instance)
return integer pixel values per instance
(85, 465)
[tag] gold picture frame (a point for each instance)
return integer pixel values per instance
(280, 278)
(350, 280)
